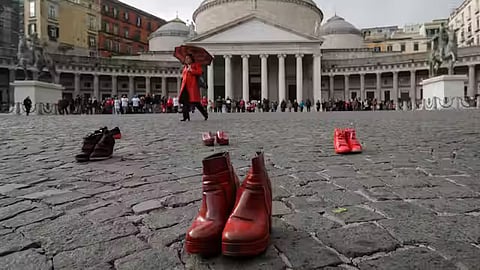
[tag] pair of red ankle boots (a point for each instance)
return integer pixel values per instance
(345, 141)
(221, 137)
(233, 220)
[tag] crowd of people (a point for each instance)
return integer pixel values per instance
(163, 104)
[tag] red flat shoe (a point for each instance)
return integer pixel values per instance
(353, 143)
(222, 138)
(208, 139)
(247, 231)
(340, 142)
(219, 185)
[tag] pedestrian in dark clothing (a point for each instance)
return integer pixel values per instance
(27, 102)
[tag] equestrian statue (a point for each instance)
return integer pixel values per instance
(32, 55)
(444, 50)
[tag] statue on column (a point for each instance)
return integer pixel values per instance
(444, 50)
(31, 54)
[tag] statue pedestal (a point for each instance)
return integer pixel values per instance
(44, 96)
(444, 92)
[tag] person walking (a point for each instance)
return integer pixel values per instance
(190, 91)
(27, 102)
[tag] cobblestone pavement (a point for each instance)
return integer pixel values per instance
(412, 198)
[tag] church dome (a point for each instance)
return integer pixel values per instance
(340, 34)
(298, 15)
(338, 25)
(168, 36)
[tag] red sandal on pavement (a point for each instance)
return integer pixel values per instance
(208, 139)
(222, 138)
(340, 142)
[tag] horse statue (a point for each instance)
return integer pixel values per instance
(33, 55)
(444, 49)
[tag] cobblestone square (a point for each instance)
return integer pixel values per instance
(412, 199)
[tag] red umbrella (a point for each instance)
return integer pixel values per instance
(200, 55)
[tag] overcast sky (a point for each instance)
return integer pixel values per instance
(362, 13)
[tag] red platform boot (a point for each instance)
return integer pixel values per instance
(220, 185)
(340, 142)
(355, 146)
(247, 231)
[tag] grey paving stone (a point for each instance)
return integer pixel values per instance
(102, 252)
(64, 198)
(340, 198)
(164, 218)
(15, 209)
(356, 214)
(280, 209)
(14, 242)
(108, 213)
(310, 222)
(43, 194)
(73, 231)
(400, 209)
(416, 258)
(5, 189)
(150, 259)
(32, 216)
(307, 204)
(381, 194)
(165, 237)
(364, 239)
(456, 206)
(147, 206)
(462, 253)
(25, 260)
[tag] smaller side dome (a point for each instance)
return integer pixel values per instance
(170, 35)
(338, 26)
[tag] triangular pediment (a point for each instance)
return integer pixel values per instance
(252, 29)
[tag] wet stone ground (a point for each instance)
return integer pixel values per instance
(412, 199)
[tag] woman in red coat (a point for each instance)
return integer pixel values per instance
(190, 92)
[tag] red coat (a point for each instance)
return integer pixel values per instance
(189, 81)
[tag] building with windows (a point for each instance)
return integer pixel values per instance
(279, 50)
(66, 26)
(409, 39)
(124, 30)
(465, 20)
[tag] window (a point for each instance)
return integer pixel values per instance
(139, 21)
(52, 32)
(126, 32)
(115, 13)
(125, 15)
(129, 49)
(402, 47)
(389, 48)
(377, 49)
(140, 48)
(92, 22)
(415, 47)
(429, 46)
(105, 8)
(32, 9)
(115, 29)
(32, 28)
(116, 47)
(52, 12)
(106, 27)
(92, 42)
(149, 26)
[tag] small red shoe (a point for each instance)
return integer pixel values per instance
(355, 146)
(222, 138)
(247, 231)
(340, 142)
(208, 139)
(117, 135)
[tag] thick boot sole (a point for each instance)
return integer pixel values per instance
(206, 248)
(100, 158)
(245, 249)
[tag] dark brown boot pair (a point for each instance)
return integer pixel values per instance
(98, 145)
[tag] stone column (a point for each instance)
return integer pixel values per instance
(148, 88)
(347, 87)
(471, 81)
(211, 82)
(378, 95)
(11, 89)
(281, 79)
(395, 93)
(179, 84)
(228, 76)
(332, 86)
(413, 89)
(76, 90)
(264, 76)
(56, 80)
(363, 95)
(114, 86)
(131, 86)
(317, 79)
(245, 78)
(96, 86)
(164, 87)
(299, 77)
